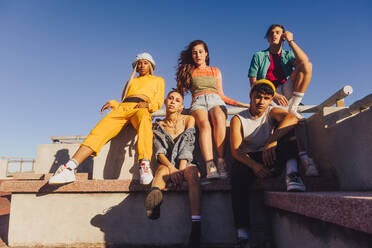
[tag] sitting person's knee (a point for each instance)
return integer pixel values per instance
(204, 125)
(162, 170)
(143, 112)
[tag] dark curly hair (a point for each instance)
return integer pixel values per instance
(175, 90)
(186, 65)
(263, 89)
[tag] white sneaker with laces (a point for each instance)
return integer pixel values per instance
(64, 174)
(221, 167)
(145, 172)
(212, 171)
(294, 110)
(294, 183)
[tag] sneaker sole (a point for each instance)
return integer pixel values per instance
(213, 176)
(296, 188)
(54, 183)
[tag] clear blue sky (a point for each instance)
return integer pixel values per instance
(60, 61)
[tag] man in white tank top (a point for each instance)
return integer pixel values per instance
(262, 143)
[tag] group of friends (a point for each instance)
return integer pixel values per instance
(263, 140)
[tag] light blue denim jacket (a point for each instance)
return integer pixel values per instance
(182, 147)
(261, 61)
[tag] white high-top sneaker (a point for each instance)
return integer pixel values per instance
(145, 172)
(64, 174)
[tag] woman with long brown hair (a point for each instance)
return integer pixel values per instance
(208, 100)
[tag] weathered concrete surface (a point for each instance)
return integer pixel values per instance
(114, 218)
(343, 149)
(293, 230)
(3, 168)
(109, 164)
(348, 209)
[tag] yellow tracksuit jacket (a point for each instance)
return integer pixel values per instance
(150, 86)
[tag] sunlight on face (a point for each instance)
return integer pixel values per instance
(275, 36)
(174, 102)
(199, 54)
(143, 67)
(260, 102)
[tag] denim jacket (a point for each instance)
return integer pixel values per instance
(182, 147)
(261, 61)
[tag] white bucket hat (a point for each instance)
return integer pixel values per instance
(145, 56)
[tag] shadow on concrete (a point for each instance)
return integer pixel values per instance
(4, 226)
(124, 145)
(126, 224)
(49, 188)
(62, 157)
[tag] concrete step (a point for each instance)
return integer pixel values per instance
(321, 219)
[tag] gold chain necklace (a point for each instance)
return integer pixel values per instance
(174, 123)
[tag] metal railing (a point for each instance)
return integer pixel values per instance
(18, 165)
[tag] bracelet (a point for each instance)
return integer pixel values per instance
(290, 41)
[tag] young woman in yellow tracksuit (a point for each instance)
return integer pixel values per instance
(141, 96)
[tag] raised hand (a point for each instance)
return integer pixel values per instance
(106, 106)
(288, 36)
(280, 99)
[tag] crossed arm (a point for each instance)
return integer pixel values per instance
(175, 176)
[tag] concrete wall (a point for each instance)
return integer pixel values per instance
(117, 159)
(344, 149)
(293, 230)
(3, 168)
(114, 218)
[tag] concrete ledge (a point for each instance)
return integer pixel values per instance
(38, 176)
(82, 185)
(96, 186)
(348, 209)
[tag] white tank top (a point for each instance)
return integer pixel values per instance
(256, 131)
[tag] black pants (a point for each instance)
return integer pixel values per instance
(242, 177)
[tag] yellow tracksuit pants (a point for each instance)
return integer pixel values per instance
(113, 122)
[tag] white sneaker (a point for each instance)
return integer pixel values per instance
(221, 167)
(310, 166)
(294, 183)
(64, 174)
(212, 171)
(145, 172)
(294, 110)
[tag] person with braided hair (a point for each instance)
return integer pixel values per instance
(141, 96)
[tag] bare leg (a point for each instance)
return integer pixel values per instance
(160, 173)
(155, 196)
(301, 76)
(191, 176)
(82, 153)
(205, 133)
(219, 129)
